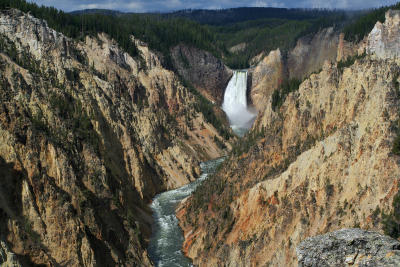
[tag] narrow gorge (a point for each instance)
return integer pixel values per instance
(166, 242)
(238, 137)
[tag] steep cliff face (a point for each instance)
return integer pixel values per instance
(308, 56)
(384, 39)
(265, 78)
(311, 52)
(207, 73)
(347, 49)
(88, 135)
(323, 161)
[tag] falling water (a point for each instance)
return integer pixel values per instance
(235, 103)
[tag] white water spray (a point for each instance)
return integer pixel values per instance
(235, 103)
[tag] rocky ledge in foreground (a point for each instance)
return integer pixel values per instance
(349, 247)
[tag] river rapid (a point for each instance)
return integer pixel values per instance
(165, 247)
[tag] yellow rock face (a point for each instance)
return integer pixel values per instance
(266, 77)
(323, 163)
(308, 56)
(88, 135)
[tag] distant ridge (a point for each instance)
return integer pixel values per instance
(240, 14)
(97, 11)
(227, 16)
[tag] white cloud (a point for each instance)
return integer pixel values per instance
(264, 3)
(115, 5)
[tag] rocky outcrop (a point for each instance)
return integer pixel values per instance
(384, 39)
(205, 72)
(346, 48)
(266, 77)
(7, 258)
(88, 135)
(238, 48)
(349, 247)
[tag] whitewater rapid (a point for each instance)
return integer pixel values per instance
(240, 116)
(165, 248)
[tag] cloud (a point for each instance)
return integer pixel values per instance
(168, 5)
(123, 6)
(346, 4)
(264, 3)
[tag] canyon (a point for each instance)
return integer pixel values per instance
(88, 135)
(106, 156)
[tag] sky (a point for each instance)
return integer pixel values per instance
(170, 5)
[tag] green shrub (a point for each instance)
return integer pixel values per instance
(204, 106)
(279, 96)
(391, 221)
(396, 145)
(249, 140)
(396, 124)
(31, 234)
(23, 58)
(349, 61)
(219, 143)
(75, 116)
(39, 124)
(329, 188)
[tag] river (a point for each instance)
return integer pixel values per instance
(165, 247)
(167, 237)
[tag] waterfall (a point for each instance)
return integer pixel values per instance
(235, 103)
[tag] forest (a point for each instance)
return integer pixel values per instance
(236, 15)
(255, 29)
(362, 25)
(161, 34)
(264, 35)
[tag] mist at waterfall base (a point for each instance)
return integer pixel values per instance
(165, 248)
(240, 116)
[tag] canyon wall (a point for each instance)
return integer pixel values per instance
(320, 162)
(88, 135)
(204, 71)
(311, 52)
(266, 77)
(308, 56)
